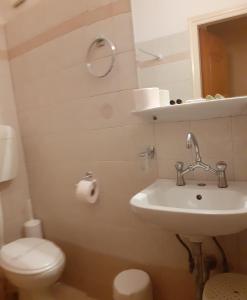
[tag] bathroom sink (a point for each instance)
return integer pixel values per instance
(194, 209)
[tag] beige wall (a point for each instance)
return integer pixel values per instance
(72, 123)
(15, 194)
(7, 11)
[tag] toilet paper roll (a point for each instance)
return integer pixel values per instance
(164, 97)
(146, 98)
(87, 191)
(33, 229)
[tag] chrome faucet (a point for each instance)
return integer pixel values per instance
(219, 171)
(192, 141)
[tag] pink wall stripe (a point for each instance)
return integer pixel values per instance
(83, 19)
(3, 54)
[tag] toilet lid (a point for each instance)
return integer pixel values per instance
(30, 255)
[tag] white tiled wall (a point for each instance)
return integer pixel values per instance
(72, 123)
(14, 194)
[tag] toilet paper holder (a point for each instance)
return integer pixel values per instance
(148, 153)
(88, 176)
(87, 189)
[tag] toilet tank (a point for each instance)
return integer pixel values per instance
(8, 153)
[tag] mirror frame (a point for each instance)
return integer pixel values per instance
(194, 23)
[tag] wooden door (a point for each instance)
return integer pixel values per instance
(214, 64)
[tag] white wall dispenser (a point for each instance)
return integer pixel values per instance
(8, 153)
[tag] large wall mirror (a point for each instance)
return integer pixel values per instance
(192, 50)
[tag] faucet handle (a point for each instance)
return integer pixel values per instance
(221, 166)
(179, 166)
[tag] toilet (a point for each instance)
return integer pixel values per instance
(33, 265)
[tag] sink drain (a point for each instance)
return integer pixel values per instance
(199, 197)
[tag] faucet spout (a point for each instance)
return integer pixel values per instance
(192, 141)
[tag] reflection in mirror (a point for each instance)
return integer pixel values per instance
(223, 53)
(162, 48)
(165, 63)
(167, 37)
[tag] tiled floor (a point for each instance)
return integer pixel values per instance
(64, 292)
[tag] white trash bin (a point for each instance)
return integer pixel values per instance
(132, 285)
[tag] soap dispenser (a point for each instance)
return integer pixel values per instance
(8, 153)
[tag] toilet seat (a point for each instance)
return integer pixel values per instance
(29, 256)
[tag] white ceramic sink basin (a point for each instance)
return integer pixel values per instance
(194, 210)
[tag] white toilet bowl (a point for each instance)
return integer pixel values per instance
(33, 265)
